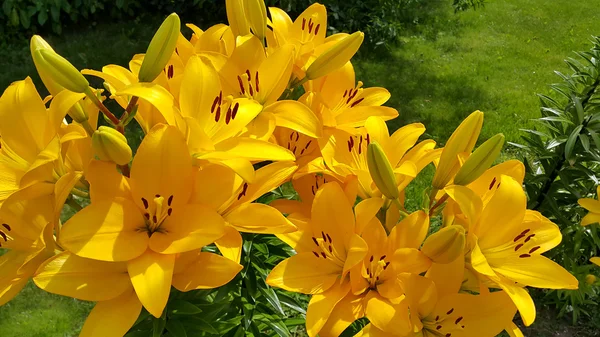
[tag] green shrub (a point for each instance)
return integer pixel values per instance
(562, 156)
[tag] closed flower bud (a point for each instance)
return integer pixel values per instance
(381, 171)
(335, 57)
(446, 245)
(59, 70)
(463, 140)
(480, 160)
(160, 49)
(590, 279)
(37, 42)
(256, 14)
(110, 145)
(236, 17)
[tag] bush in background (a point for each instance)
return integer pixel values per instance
(562, 157)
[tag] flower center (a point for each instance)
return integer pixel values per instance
(218, 106)
(310, 29)
(326, 250)
(350, 98)
(299, 144)
(156, 212)
(5, 227)
(445, 325)
(249, 85)
(374, 269)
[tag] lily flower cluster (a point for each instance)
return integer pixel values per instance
(228, 115)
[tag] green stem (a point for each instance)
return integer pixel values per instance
(102, 107)
(80, 193)
(88, 128)
(73, 204)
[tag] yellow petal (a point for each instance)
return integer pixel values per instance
(448, 277)
(156, 95)
(402, 140)
(107, 231)
(387, 316)
(164, 150)
(536, 271)
(373, 96)
(410, 232)
(89, 280)
(595, 260)
(469, 203)
(204, 271)
(357, 251)
(590, 218)
(365, 211)
(513, 330)
(112, 318)
(199, 88)
(274, 74)
(230, 244)
(304, 273)
(358, 115)
(378, 132)
(214, 185)
(106, 182)
(522, 300)
(489, 178)
(591, 205)
(250, 149)
(296, 116)
(322, 305)
(410, 260)
(151, 276)
(219, 127)
(189, 227)
(258, 218)
(348, 310)
(371, 331)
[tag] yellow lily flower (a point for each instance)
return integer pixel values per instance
(218, 40)
(26, 231)
(327, 249)
(264, 78)
(147, 219)
(109, 284)
(232, 198)
(595, 260)
(346, 154)
(345, 103)
(506, 241)
(593, 206)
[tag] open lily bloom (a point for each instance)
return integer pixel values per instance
(109, 284)
(593, 206)
(232, 198)
(346, 153)
(505, 243)
(147, 219)
(345, 104)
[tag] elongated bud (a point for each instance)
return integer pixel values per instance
(160, 49)
(590, 279)
(336, 56)
(37, 42)
(463, 140)
(381, 171)
(237, 18)
(256, 14)
(480, 160)
(446, 245)
(110, 145)
(59, 70)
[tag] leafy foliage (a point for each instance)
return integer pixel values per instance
(562, 157)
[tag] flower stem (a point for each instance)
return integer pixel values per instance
(438, 204)
(73, 204)
(102, 107)
(80, 193)
(88, 128)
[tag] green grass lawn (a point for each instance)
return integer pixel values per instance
(495, 59)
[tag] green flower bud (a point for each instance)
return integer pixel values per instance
(590, 279)
(59, 70)
(111, 145)
(381, 171)
(463, 140)
(335, 57)
(160, 49)
(256, 14)
(446, 245)
(480, 160)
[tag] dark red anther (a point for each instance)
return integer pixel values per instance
(458, 320)
(323, 255)
(448, 335)
(228, 115)
(145, 202)
(438, 327)
(355, 103)
(534, 249)
(315, 241)
(170, 72)
(312, 188)
(437, 318)
(256, 80)
(323, 234)
(371, 259)
(316, 254)
(157, 195)
(308, 144)
(3, 236)
(250, 89)
(302, 152)
(317, 28)
(147, 216)
(382, 257)
(518, 237)
(241, 85)
(170, 211)
(329, 238)
(492, 183)
(235, 110)
(170, 200)
(330, 249)
(524, 255)
(517, 247)
(387, 264)
(529, 237)
(243, 193)
(6, 226)
(450, 311)
(294, 150)
(214, 105)
(154, 219)
(525, 231)
(345, 93)
(218, 114)
(297, 136)
(368, 139)
(303, 23)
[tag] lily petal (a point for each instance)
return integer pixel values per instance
(304, 273)
(151, 276)
(258, 218)
(322, 305)
(112, 318)
(230, 244)
(296, 116)
(106, 182)
(365, 211)
(388, 316)
(204, 270)
(536, 271)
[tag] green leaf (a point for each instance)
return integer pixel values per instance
(42, 17)
(579, 109)
(55, 13)
(571, 142)
(158, 326)
(291, 303)
(25, 19)
(585, 141)
(138, 334)
(595, 138)
(181, 307)
(175, 328)
(272, 298)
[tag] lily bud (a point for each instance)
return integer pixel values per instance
(236, 17)
(336, 56)
(463, 139)
(590, 279)
(480, 160)
(256, 14)
(37, 42)
(111, 145)
(59, 70)
(160, 49)
(381, 171)
(446, 245)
